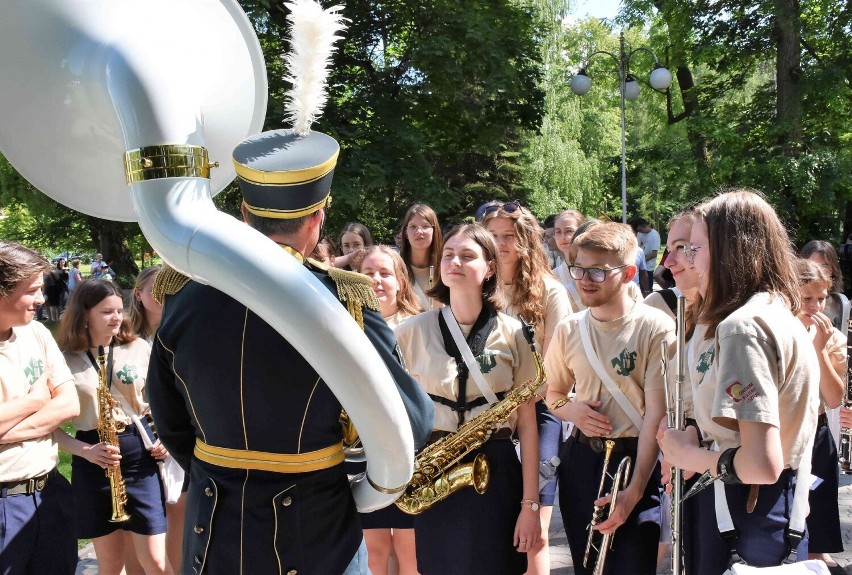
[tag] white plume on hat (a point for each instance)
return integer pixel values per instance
(313, 32)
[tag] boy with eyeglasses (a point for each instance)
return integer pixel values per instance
(624, 339)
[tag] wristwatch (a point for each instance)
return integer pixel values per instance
(534, 505)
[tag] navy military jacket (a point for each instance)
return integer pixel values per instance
(221, 374)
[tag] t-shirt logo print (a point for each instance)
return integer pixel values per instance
(34, 370)
(487, 361)
(705, 360)
(127, 374)
(626, 362)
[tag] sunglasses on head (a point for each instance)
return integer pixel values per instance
(508, 207)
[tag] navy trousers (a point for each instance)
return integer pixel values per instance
(635, 543)
(762, 540)
(37, 531)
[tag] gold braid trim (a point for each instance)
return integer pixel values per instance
(169, 281)
(356, 291)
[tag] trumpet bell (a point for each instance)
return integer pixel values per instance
(60, 61)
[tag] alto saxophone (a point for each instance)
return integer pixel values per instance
(436, 473)
(108, 434)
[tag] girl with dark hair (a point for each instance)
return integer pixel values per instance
(468, 532)
(95, 318)
(837, 305)
(421, 250)
(354, 237)
(824, 535)
(755, 381)
(536, 296)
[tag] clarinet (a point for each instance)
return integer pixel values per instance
(845, 458)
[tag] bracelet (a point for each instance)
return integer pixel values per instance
(534, 505)
(725, 468)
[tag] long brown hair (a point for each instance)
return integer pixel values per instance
(431, 218)
(750, 252)
(73, 333)
(136, 316)
(406, 299)
(528, 295)
(492, 294)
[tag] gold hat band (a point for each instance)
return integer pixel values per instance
(286, 177)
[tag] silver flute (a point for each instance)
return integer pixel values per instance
(675, 418)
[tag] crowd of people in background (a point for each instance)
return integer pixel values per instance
(578, 282)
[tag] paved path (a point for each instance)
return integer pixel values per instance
(561, 558)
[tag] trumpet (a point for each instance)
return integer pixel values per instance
(598, 543)
(675, 418)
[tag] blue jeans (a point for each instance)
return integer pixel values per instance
(358, 565)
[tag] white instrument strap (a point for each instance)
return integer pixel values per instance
(467, 356)
(844, 314)
(575, 295)
(617, 394)
(143, 432)
(800, 509)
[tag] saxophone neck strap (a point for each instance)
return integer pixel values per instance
(486, 322)
(97, 365)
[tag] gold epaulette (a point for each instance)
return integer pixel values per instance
(353, 289)
(168, 282)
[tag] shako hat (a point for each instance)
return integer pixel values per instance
(283, 175)
(287, 173)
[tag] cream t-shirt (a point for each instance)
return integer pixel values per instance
(764, 369)
(129, 374)
(422, 284)
(556, 309)
(506, 363)
(28, 354)
(629, 349)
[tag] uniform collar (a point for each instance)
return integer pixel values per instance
(293, 252)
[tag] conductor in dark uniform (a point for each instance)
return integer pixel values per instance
(244, 413)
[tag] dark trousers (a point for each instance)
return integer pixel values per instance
(635, 543)
(761, 541)
(824, 518)
(37, 531)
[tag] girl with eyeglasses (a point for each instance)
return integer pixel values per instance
(755, 380)
(421, 251)
(534, 294)
(468, 532)
(565, 226)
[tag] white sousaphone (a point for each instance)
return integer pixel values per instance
(84, 81)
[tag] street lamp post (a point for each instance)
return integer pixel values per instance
(660, 79)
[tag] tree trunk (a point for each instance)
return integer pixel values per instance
(788, 72)
(111, 239)
(677, 58)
